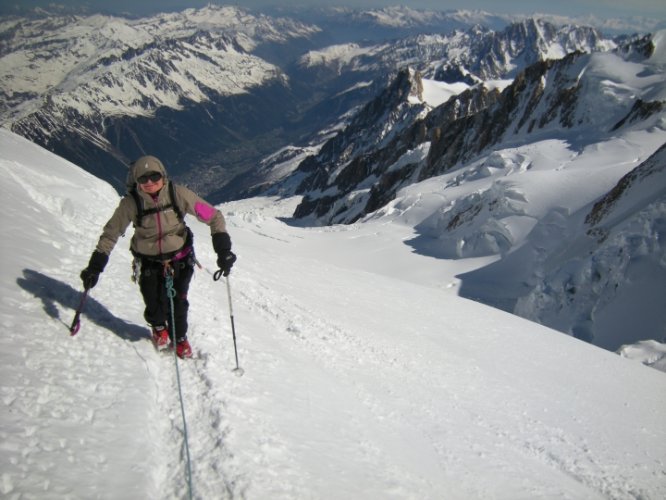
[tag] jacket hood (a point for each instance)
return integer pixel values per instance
(144, 165)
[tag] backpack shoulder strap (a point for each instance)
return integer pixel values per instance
(139, 206)
(174, 202)
(141, 212)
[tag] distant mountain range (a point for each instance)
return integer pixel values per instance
(214, 91)
(550, 97)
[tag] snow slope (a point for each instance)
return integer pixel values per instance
(366, 376)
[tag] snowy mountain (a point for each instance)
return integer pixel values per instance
(464, 58)
(471, 56)
(579, 124)
(108, 88)
(461, 121)
(401, 21)
(607, 287)
(584, 96)
(217, 89)
(366, 375)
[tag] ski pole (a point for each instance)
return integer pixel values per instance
(76, 324)
(238, 370)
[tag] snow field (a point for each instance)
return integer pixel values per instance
(366, 376)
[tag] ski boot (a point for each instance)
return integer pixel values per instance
(161, 337)
(183, 349)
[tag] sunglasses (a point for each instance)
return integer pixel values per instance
(152, 177)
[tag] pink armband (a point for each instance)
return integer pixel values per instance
(204, 212)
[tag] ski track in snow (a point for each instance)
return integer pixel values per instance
(336, 348)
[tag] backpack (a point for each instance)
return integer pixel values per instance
(141, 212)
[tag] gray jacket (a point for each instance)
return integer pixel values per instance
(161, 234)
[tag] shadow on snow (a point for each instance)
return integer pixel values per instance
(51, 292)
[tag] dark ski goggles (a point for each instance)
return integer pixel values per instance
(152, 177)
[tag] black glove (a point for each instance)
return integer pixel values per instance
(225, 257)
(96, 265)
(226, 261)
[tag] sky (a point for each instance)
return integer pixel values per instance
(614, 8)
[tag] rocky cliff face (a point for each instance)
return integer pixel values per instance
(551, 97)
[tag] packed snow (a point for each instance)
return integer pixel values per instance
(365, 374)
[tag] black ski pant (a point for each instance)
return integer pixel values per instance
(152, 282)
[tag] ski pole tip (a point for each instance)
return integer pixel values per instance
(74, 329)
